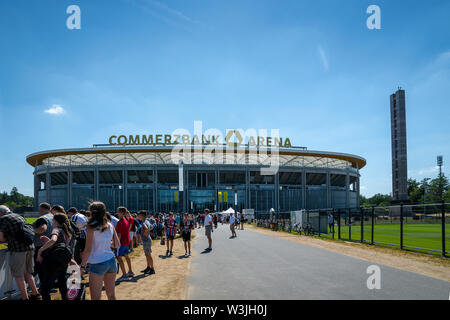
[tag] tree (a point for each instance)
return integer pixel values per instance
(15, 199)
(377, 200)
(438, 187)
(415, 191)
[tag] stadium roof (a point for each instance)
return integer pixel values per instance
(161, 154)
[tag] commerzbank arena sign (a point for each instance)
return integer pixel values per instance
(233, 138)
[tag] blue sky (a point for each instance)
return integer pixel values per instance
(309, 68)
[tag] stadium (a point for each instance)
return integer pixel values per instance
(127, 172)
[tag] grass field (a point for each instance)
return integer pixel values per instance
(31, 220)
(420, 235)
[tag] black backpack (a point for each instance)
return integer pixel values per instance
(76, 230)
(25, 235)
(57, 257)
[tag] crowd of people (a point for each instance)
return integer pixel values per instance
(93, 242)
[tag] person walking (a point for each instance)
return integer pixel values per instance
(170, 231)
(187, 227)
(123, 232)
(330, 222)
(21, 251)
(233, 225)
(242, 220)
(145, 230)
(208, 228)
(101, 237)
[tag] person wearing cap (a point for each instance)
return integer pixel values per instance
(208, 228)
(21, 254)
(43, 226)
(80, 221)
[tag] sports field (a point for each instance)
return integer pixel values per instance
(31, 220)
(419, 235)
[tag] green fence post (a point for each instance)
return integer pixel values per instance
(332, 212)
(373, 222)
(361, 211)
(401, 226)
(443, 228)
(339, 224)
(349, 224)
(319, 223)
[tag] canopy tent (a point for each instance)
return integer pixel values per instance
(228, 211)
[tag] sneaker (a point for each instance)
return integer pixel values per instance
(189, 253)
(186, 253)
(130, 274)
(35, 297)
(167, 252)
(146, 270)
(151, 271)
(171, 253)
(123, 278)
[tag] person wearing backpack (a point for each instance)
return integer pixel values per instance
(55, 257)
(101, 237)
(43, 226)
(15, 231)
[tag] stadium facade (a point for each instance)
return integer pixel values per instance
(148, 176)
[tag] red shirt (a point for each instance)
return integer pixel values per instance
(123, 228)
(130, 220)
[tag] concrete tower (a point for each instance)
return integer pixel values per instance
(399, 151)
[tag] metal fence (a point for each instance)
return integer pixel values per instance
(8, 287)
(421, 228)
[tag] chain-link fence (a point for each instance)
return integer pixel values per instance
(421, 228)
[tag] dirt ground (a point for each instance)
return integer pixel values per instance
(435, 267)
(167, 283)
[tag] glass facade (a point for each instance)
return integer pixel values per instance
(110, 190)
(82, 188)
(155, 189)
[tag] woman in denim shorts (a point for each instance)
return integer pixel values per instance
(100, 238)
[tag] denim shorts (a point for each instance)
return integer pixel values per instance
(109, 266)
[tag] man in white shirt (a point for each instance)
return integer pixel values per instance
(80, 221)
(208, 228)
(232, 225)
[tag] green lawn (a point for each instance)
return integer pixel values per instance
(31, 220)
(420, 235)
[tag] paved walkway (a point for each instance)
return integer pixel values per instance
(257, 266)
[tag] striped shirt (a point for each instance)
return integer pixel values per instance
(170, 225)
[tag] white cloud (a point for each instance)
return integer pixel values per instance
(55, 109)
(323, 57)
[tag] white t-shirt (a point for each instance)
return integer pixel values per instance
(208, 220)
(232, 219)
(101, 246)
(80, 221)
(114, 221)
